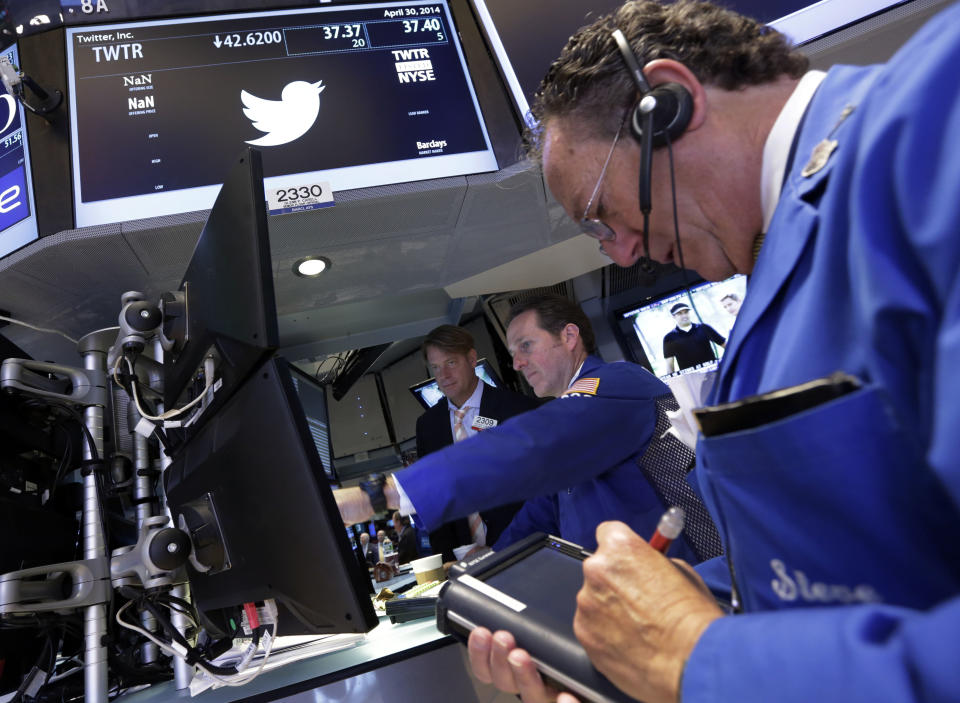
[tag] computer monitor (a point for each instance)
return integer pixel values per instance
(18, 220)
(250, 489)
(428, 392)
(341, 97)
(643, 326)
(227, 307)
(247, 482)
(313, 399)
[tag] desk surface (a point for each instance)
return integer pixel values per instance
(384, 645)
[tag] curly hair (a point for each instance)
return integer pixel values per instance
(590, 84)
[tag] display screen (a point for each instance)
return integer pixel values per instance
(314, 402)
(18, 226)
(713, 306)
(429, 394)
(351, 97)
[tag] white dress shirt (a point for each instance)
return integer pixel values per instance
(776, 150)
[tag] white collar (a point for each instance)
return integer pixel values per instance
(576, 374)
(776, 150)
(473, 401)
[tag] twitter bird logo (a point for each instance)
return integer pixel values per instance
(285, 119)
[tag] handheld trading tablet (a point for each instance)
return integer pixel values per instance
(529, 589)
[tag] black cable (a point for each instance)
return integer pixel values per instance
(183, 606)
(676, 229)
(94, 455)
(65, 461)
(193, 655)
(74, 414)
(31, 675)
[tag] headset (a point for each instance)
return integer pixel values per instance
(659, 118)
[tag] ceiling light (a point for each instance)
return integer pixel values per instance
(310, 266)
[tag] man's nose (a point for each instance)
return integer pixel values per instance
(620, 252)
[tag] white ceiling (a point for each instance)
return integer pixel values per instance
(402, 258)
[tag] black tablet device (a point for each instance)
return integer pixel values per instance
(529, 589)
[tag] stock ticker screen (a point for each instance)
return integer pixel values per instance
(360, 96)
(17, 224)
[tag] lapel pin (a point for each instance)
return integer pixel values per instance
(819, 157)
(822, 151)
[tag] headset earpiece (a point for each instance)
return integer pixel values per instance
(674, 104)
(670, 117)
(667, 118)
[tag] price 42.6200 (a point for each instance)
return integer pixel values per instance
(250, 39)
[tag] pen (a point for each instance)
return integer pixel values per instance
(668, 529)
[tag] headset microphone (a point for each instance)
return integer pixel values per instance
(659, 117)
(646, 107)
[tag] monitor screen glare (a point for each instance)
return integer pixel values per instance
(429, 394)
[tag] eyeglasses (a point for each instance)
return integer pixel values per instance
(592, 227)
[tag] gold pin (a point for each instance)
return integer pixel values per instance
(819, 157)
(821, 152)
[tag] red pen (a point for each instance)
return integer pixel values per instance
(668, 529)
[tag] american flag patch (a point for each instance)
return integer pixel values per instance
(583, 386)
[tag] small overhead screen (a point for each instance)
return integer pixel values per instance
(428, 392)
(645, 326)
(337, 98)
(18, 222)
(523, 62)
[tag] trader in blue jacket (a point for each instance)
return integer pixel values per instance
(838, 193)
(593, 454)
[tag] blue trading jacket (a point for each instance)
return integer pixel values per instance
(842, 522)
(574, 461)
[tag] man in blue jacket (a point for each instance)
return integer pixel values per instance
(591, 455)
(838, 193)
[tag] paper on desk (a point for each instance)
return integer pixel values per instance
(691, 391)
(285, 650)
(427, 590)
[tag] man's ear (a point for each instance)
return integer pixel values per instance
(472, 357)
(569, 335)
(661, 71)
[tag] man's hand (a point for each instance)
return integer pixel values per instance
(638, 615)
(496, 659)
(354, 505)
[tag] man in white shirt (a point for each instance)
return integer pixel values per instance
(468, 405)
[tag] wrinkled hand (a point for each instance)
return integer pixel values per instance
(639, 617)
(496, 659)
